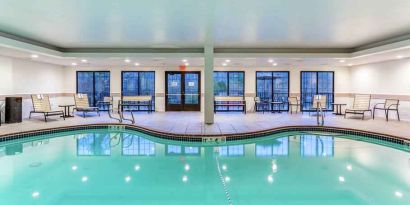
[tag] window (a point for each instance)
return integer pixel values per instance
(229, 83)
(277, 147)
(273, 86)
(93, 144)
(182, 150)
(134, 145)
(138, 83)
(312, 145)
(96, 84)
(317, 83)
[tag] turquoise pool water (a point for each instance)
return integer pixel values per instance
(103, 167)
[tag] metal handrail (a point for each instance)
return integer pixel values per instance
(320, 116)
(112, 117)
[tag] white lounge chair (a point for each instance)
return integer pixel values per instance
(41, 105)
(82, 104)
(361, 105)
(294, 102)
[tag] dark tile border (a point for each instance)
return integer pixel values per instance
(198, 138)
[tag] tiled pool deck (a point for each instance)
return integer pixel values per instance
(225, 123)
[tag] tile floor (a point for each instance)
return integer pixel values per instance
(192, 123)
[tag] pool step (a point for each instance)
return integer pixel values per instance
(213, 140)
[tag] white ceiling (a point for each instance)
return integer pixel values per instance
(185, 23)
(251, 61)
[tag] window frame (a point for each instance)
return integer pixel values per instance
(231, 108)
(227, 84)
(94, 104)
(317, 88)
(139, 88)
(272, 72)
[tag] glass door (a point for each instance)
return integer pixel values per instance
(182, 91)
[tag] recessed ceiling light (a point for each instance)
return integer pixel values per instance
(34, 56)
(399, 56)
(84, 61)
(350, 64)
(275, 64)
(227, 60)
(342, 61)
(73, 64)
(136, 64)
(224, 64)
(184, 60)
(186, 64)
(127, 60)
(271, 61)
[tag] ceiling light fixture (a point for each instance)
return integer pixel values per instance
(84, 61)
(73, 64)
(224, 64)
(184, 60)
(350, 64)
(34, 56)
(275, 64)
(342, 61)
(227, 61)
(127, 60)
(136, 64)
(186, 64)
(399, 56)
(271, 61)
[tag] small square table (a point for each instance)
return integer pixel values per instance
(66, 110)
(278, 105)
(338, 108)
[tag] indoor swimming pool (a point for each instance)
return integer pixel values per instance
(127, 167)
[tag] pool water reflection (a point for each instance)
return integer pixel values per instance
(101, 167)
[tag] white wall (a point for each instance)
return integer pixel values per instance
(390, 79)
(385, 79)
(23, 77)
